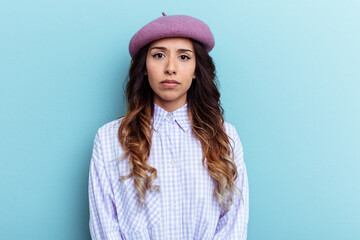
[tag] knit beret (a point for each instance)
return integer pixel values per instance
(172, 26)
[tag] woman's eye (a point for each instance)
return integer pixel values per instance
(184, 57)
(158, 55)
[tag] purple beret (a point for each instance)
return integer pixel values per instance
(172, 26)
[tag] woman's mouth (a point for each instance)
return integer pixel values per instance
(169, 83)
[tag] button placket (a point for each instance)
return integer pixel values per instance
(174, 198)
(168, 116)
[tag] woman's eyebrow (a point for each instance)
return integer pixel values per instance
(161, 48)
(184, 50)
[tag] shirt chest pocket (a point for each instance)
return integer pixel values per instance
(135, 221)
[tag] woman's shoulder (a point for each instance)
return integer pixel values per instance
(232, 133)
(107, 138)
(230, 129)
(109, 129)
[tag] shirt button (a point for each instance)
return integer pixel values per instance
(172, 162)
(168, 116)
(173, 201)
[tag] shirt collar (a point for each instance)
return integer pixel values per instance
(180, 116)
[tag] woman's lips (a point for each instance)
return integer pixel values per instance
(170, 83)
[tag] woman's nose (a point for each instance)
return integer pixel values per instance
(171, 66)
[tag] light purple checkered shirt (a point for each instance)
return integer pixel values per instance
(185, 208)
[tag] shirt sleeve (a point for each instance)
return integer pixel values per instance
(103, 218)
(233, 224)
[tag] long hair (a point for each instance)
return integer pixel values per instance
(206, 113)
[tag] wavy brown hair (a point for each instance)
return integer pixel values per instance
(206, 116)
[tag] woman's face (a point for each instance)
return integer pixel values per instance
(170, 67)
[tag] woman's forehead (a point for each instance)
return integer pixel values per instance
(173, 42)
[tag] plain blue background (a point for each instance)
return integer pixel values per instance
(290, 82)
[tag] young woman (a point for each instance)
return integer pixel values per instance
(171, 168)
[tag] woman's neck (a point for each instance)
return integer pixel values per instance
(169, 106)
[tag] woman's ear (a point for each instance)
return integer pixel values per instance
(145, 74)
(194, 76)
